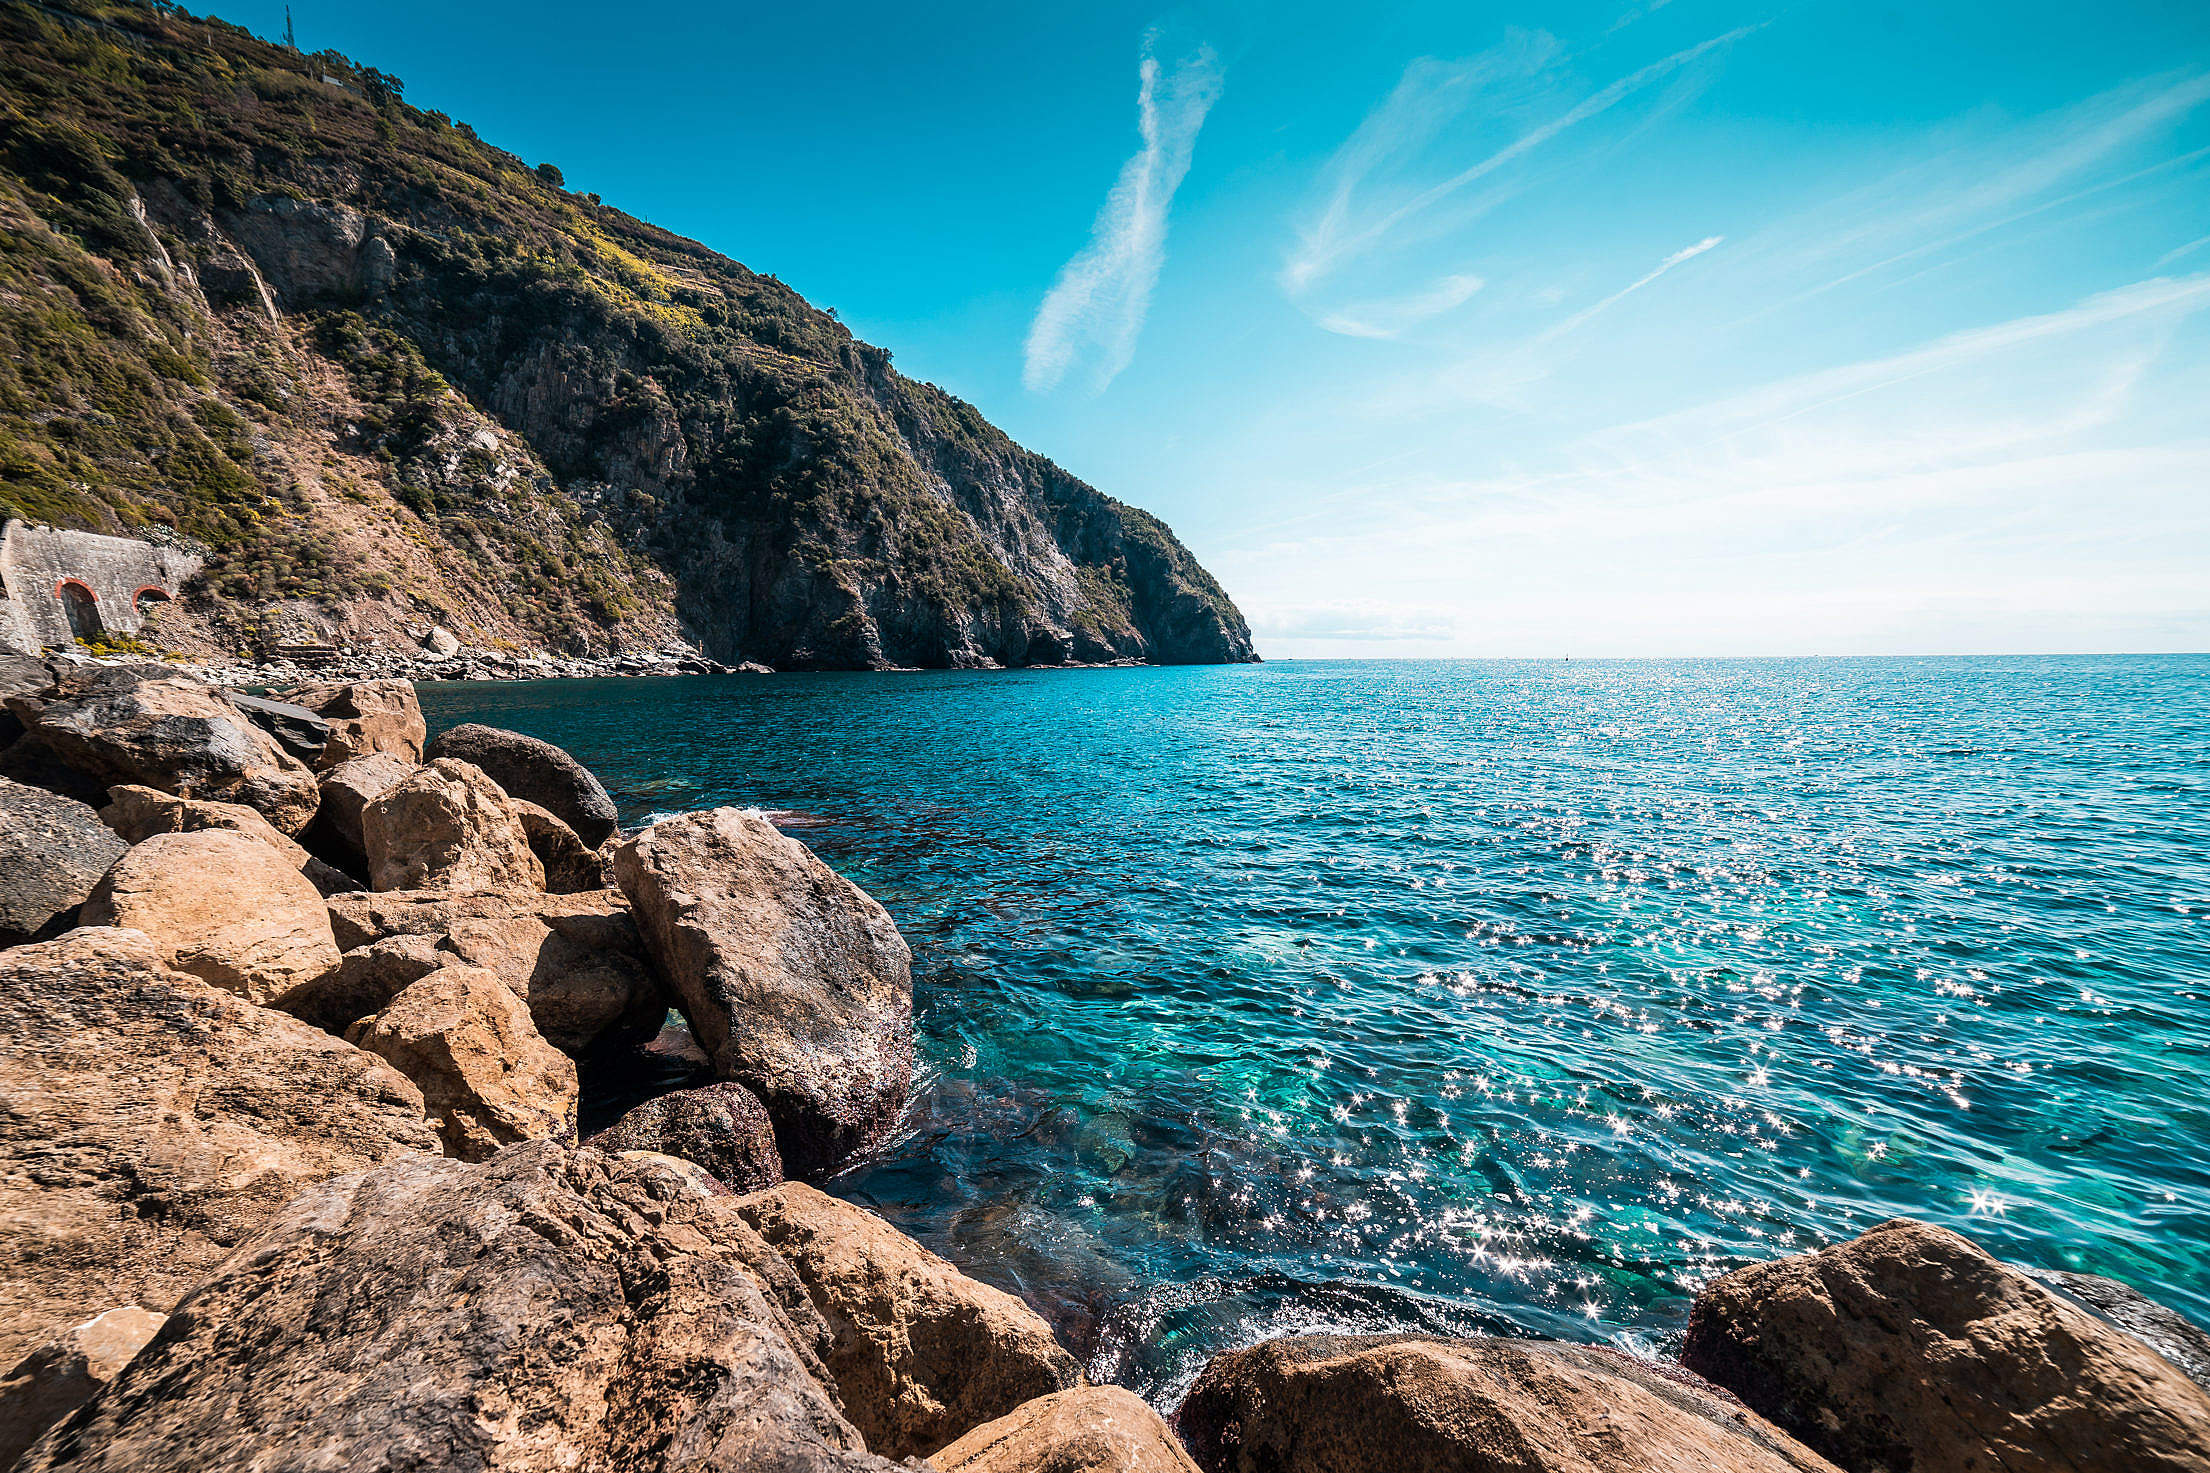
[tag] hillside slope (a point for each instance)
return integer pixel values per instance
(383, 374)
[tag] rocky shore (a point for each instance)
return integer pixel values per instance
(308, 1160)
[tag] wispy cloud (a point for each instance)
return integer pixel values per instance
(1428, 96)
(1391, 316)
(1096, 307)
(1582, 317)
(2186, 250)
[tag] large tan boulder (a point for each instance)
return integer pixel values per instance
(537, 772)
(544, 1312)
(138, 813)
(487, 1078)
(1909, 1350)
(150, 1123)
(53, 850)
(66, 1372)
(722, 1128)
(112, 726)
(225, 907)
(577, 959)
(1418, 1404)
(365, 981)
(366, 716)
(921, 1353)
(1091, 1429)
(569, 865)
(347, 790)
(447, 827)
(795, 981)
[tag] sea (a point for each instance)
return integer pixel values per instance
(1492, 997)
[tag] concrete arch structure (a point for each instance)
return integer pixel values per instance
(56, 585)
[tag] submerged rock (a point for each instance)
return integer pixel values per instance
(552, 1309)
(115, 725)
(66, 1372)
(536, 772)
(153, 1123)
(722, 1128)
(487, 1078)
(1909, 1350)
(447, 827)
(53, 851)
(366, 717)
(223, 906)
(796, 982)
(1090, 1429)
(1417, 1404)
(921, 1353)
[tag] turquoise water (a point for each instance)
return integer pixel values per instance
(1494, 996)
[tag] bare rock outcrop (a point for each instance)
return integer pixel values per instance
(447, 827)
(223, 906)
(120, 724)
(796, 982)
(366, 717)
(1417, 1404)
(1909, 1350)
(577, 959)
(487, 1078)
(537, 772)
(722, 1128)
(1090, 1429)
(921, 1353)
(551, 1309)
(150, 1123)
(66, 1372)
(139, 813)
(53, 851)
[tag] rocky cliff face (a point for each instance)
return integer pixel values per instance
(383, 375)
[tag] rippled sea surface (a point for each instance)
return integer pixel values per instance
(1494, 996)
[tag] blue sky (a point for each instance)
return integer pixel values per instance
(1646, 327)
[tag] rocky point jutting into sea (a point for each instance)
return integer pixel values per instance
(292, 1009)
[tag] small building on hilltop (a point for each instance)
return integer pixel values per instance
(58, 586)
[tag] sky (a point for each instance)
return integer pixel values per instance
(1648, 327)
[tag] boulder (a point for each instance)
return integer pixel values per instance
(1909, 1349)
(547, 1310)
(797, 984)
(366, 717)
(297, 730)
(537, 772)
(576, 959)
(569, 866)
(721, 1127)
(20, 675)
(2165, 1331)
(447, 827)
(150, 1123)
(65, 1372)
(137, 814)
(487, 1078)
(112, 725)
(1420, 1404)
(1090, 1429)
(921, 1354)
(222, 906)
(346, 790)
(53, 851)
(365, 981)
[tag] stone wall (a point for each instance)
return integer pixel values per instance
(57, 585)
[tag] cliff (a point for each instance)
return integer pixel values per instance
(381, 375)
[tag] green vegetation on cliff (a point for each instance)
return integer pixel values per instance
(359, 355)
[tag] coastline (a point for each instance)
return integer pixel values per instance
(425, 939)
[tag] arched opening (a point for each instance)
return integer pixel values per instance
(146, 600)
(82, 606)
